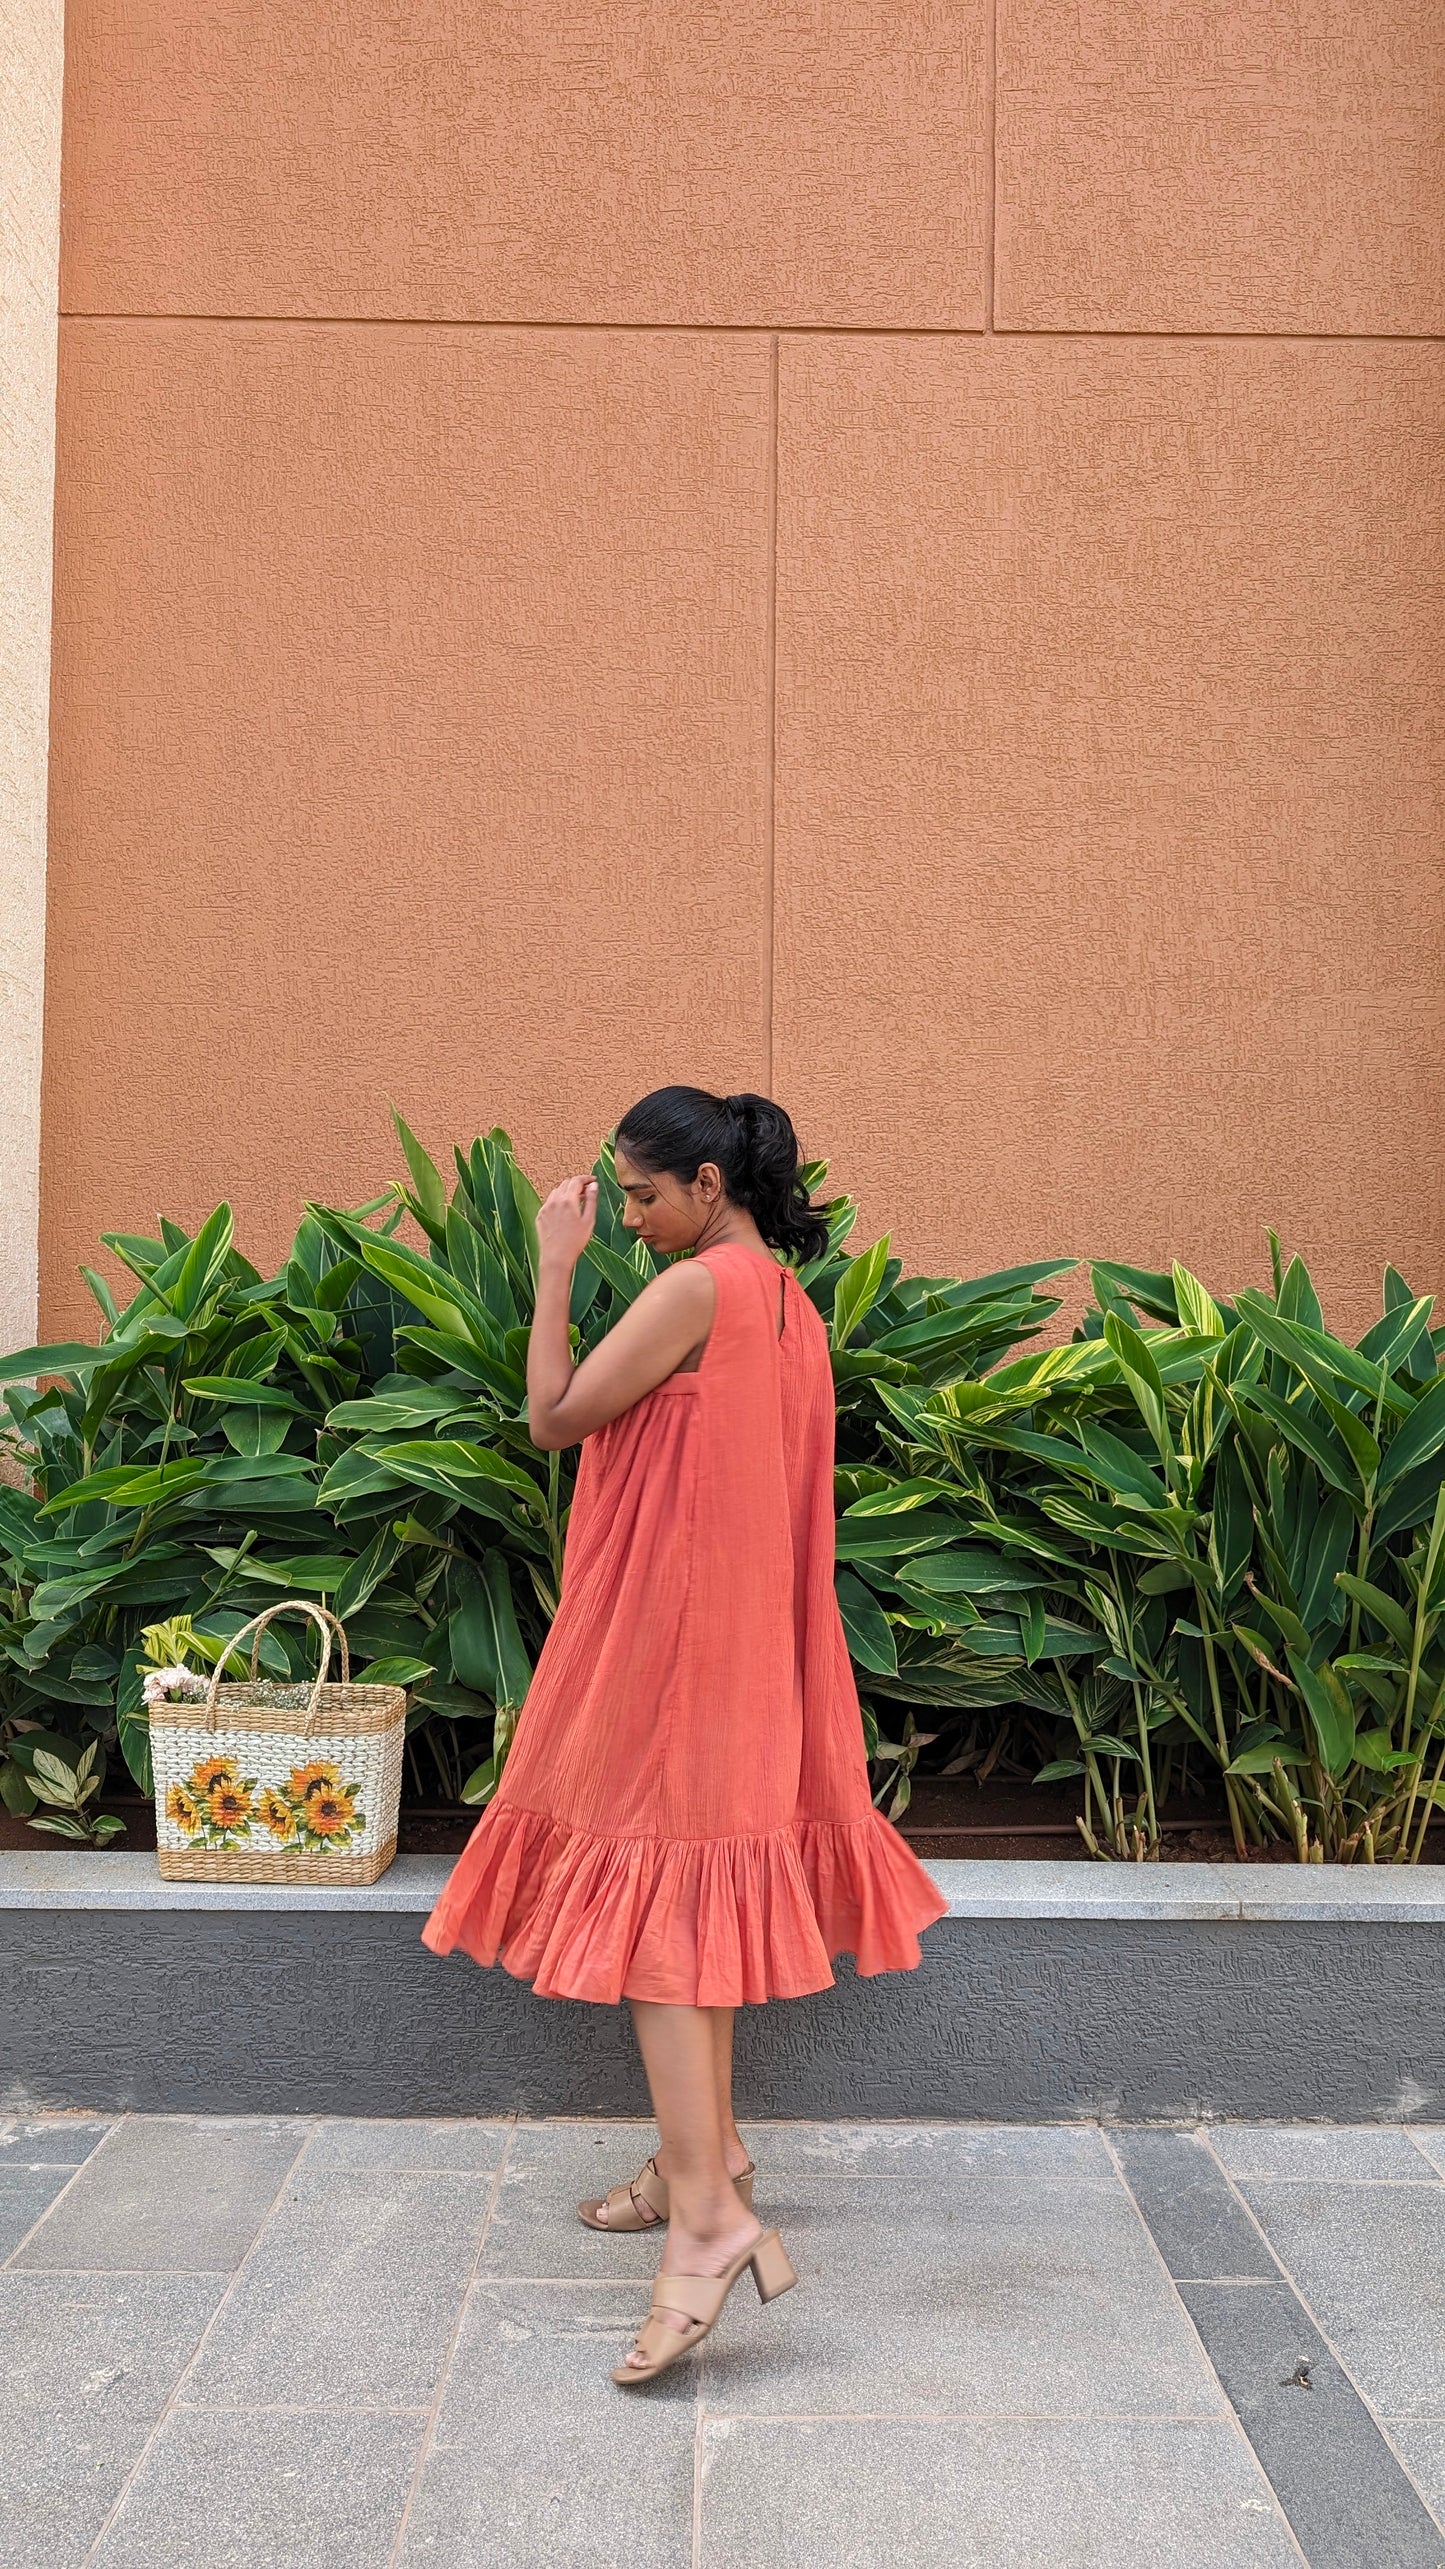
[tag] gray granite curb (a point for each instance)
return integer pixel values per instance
(1364, 1895)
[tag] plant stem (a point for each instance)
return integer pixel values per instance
(1148, 1769)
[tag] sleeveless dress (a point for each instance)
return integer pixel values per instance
(684, 1815)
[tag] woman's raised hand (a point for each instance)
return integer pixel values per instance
(565, 1222)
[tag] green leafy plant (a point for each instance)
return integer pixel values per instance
(1206, 1536)
(1203, 1542)
(172, 1466)
(69, 1787)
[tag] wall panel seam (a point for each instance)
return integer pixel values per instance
(772, 330)
(991, 168)
(771, 718)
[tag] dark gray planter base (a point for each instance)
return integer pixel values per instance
(1011, 2017)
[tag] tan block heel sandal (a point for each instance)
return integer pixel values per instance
(623, 2206)
(702, 2298)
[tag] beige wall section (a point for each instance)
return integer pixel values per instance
(542, 160)
(30, 84)
(1221, 165)
(413, 707)
(1111, 784)
(410, 719)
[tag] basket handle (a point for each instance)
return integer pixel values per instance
(328, 1624)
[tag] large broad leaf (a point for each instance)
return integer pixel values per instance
(857, 1291)
(123, 1485)
(869, 1632)
(886, 1538)
(1298, 1299)
(969, 1570)
(1001, 1637)
(895, 1498)
(1386, 1611)
(1326, 1363)
(393, 1412)
(245, 1391)
(1309, 1434)
(1332, 1715)
(67, 1356)
(1389, 1343)
(488, 1653)
(478, 1480)
(1197, 1309)
(429, 1291)
(1143, 1286)
(203, 1266)
(1159, 1534)
(431, 1196)
(1421, 1437)
(1004, 1279)
(1231, 1525)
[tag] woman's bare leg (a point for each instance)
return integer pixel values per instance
(709, 2225)
(735, 2155)
(734, 2148)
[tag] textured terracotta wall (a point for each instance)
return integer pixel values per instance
(891, 549)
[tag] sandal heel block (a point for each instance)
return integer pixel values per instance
(772, 2267)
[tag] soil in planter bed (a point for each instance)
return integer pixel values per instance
(950, 1819)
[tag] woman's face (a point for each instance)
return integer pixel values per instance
(663, 1210)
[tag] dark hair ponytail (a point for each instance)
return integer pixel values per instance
(751, 1140)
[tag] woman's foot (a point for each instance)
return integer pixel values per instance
(735, 2159)
(708, 2243)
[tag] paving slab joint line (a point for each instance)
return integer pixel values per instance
(1230, 2411)
(59, 2198)
(1326, 2340)
(433, 2413)
(311, 2123)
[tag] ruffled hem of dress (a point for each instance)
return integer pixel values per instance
(683, 1922)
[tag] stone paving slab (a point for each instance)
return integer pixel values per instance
(169, 2194)
(1199, 2225)
(1340, 2155)
(538, 2460)
(1017, 2494)
(551, 2168)
(221, 2491)
(990, 2363)
(61, 2472)
(45, 2140)
(982, 2294)
(931, 2152)
(107, 2345)
(350, 2298)
(1421, 2448)
(468, 2149)
(1370, 2262)
(1350, 2504)
(26, 2194)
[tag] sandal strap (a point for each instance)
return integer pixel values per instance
(661, 2345)
(651, 2189)
(700, 2296)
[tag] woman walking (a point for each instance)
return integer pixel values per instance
(684, 1820)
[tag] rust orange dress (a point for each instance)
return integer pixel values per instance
(685, 1814)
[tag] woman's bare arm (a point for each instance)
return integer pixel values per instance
(669, 1322)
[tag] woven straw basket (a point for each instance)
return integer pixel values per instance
(275, 1783)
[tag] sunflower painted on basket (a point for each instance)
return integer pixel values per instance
(183, 1810)
(314, 1809)
(276, 1815)
(325, 1806)
(214, 1804)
